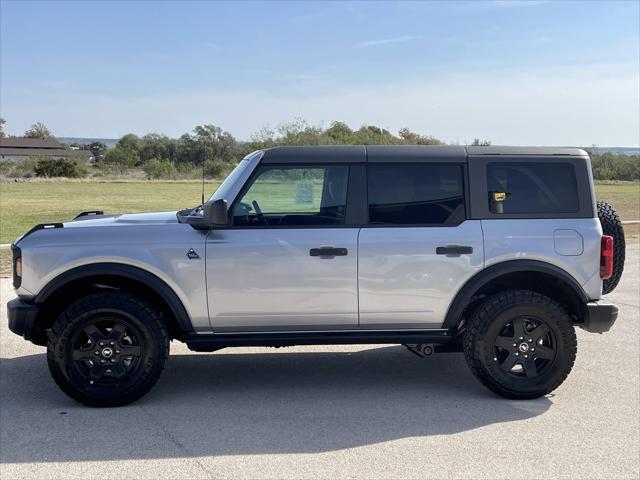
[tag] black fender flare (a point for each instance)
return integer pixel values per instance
(121, 270)
(475, 283)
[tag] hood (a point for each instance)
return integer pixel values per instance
(147, 218)
(81, 227)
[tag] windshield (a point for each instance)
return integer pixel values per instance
(226, 187)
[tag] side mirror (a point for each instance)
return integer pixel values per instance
(216, 213)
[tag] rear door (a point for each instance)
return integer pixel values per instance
(418, 249)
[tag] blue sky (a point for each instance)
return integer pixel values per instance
(530, 72)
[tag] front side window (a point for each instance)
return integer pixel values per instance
(415, 194)
(528, 188)
(294, 196)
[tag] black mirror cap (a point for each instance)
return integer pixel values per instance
(216, 213)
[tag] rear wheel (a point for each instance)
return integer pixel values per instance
(520, 344)
(107, 349)
(612, 226)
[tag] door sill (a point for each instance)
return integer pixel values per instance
(216, 341)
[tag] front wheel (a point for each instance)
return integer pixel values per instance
(520, 344)
(107, 349)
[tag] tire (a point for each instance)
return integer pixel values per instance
(548, 341)
(612, 225)
(107, 349)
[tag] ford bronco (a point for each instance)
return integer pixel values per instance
(497, 252)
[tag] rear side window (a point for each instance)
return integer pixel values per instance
(523, 188)
(415, 194)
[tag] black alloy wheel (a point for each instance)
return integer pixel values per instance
(525, 347)
(107, 350)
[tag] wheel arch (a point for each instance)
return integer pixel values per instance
(534, 275)
(85, 279)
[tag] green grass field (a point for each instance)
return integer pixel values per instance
(24, 204)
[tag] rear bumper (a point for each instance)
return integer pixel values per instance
(599, 316)
(21, 317)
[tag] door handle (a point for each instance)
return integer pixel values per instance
(454, 250)
(328, 252)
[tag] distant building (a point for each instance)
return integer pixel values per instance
(19, 148)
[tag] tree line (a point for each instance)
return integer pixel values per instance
(215, 150)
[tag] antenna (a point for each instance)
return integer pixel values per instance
(202, 198)
(202, 202)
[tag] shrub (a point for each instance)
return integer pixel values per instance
(615, 166)
(62, 167)
(17, 168)
(157, 168)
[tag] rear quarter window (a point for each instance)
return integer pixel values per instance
(532, 188)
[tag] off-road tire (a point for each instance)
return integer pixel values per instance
(153, 353)
(612, 225)
(479, 350)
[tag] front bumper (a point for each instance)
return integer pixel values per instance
(21, 317)
(599, 316)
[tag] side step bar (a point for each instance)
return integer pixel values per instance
(216, 341)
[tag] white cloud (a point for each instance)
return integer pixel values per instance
(581, 105)
(384, 41)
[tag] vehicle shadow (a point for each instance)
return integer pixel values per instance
(230, 403)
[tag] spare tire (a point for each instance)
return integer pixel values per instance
(612, 226)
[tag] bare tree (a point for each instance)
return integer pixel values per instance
(38, 130)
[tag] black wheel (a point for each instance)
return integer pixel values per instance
(520, 344)
(612, 225)
(107, 349)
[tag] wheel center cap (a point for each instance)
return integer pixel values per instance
(107, 352)
(523, 347)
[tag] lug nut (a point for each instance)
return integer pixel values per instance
(526, 356)
(517, 354)
(514, 345)
(533, 349)
(117, 351)
(521, 338)
(530, 340)
(495, 359)
(113, 343)
(113, 360)
(102, 344)
(102, 361)
(108, 370)
(96, 353)
(91, 382)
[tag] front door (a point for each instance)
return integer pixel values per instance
(288, 262)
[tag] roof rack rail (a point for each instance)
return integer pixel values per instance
(89, 212)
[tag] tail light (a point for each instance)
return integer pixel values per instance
(606, 257)
(17, 266)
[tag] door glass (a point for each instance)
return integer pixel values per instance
(294, 196)
(415, 194)
(534, 187)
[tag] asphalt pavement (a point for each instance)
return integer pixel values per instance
(331, 412)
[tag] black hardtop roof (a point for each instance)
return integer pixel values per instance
(402, 153)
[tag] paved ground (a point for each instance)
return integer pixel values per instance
(331, 412)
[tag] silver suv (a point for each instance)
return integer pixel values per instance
(498, 252)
